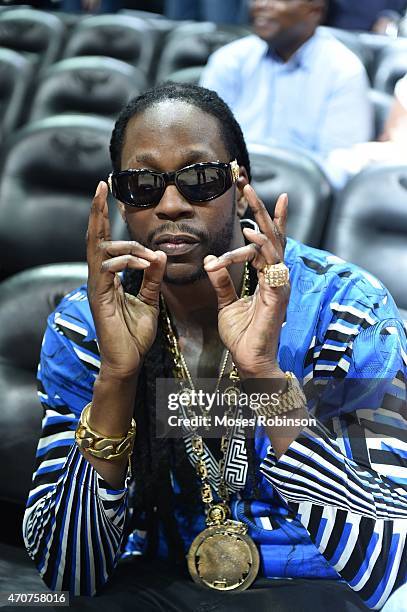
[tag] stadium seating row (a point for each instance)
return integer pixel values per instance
(52, 166)
(91, 85)
(48, 66)
(159, 46)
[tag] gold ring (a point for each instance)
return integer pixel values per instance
(276, 275)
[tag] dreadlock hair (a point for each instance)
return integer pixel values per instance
(157, 462)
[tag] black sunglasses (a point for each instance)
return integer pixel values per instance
(197, 183)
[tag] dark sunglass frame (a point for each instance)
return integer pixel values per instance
(230, 174)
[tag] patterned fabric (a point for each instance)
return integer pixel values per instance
(334, 506)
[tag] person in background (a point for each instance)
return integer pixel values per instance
(379, 16)
(224, 11)
(391, 145)
(290, 84)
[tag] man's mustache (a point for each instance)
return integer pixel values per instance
(176, 228)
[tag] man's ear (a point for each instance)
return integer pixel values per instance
(241, 202)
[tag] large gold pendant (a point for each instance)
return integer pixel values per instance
(224, 557)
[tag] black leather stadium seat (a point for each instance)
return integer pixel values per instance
(32, 294)
(277, 170)
(96, 85)
(368, 226)
(15, 72)
(381, 103)
(186, 75)
(120, 36)
(47, 182)
(191, 44)
(160, 28)
(392, 65)
(374, 46)
(369, 47)
(36, 33)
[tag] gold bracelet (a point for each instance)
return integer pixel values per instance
(101, 446)
(292, 398)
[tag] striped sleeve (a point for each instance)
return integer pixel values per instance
(346, 477)
(73, 523)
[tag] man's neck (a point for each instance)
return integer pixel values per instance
(194, 315)
(286, 49)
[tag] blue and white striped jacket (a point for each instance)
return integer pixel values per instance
(334, 506)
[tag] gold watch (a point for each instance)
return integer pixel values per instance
(292, 398)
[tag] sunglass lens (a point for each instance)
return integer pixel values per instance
(202, 183)
(141, 188)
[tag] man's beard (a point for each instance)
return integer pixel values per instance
(214, 244)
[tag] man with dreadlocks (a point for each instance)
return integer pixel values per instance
(301, 517)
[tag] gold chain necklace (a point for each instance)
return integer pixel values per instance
(222, 556)
(181, 369)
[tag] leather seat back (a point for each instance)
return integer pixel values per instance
(277, 170)
(192, 44)
(26, 300)
(96, 85)
(392, 65)
(381, 103)
(38, 34)
(192, 75)
(120, 36)
(47, 182)
(15, 73)
(368, 226)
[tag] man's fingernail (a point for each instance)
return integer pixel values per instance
(210, 259)
(98, 188)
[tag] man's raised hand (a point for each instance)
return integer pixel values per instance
(126, 325)
(250, 328)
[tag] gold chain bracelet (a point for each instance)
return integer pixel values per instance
(101, 446)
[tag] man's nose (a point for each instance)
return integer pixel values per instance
(173, 205)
